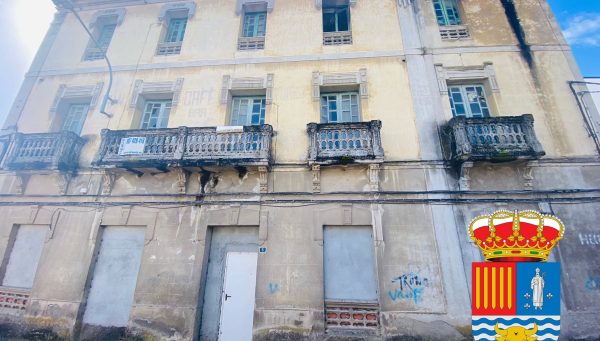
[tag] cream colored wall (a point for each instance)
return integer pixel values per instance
(294, 30)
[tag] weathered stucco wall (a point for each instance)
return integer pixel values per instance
(416, 205)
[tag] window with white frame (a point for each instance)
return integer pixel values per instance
(468, 100)
(447, 12)
(255, 24)
(156, 114)
(247, 111)
(74, 117)
(340, 107)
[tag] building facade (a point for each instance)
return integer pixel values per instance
(294, 170)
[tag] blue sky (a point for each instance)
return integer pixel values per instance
(579, 19)
(580, 22)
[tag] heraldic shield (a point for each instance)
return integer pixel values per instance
(516, 293)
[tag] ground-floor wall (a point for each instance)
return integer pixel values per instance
(421, 251)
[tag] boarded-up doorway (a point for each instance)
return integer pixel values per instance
(115, 277)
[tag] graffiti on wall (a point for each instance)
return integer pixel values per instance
(589, 239)
(273, 288)
(593, 283)
(410, 286)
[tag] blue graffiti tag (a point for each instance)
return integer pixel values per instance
(593, 283)
(273, 287)
(411, 287)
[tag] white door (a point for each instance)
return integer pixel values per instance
(237, 301)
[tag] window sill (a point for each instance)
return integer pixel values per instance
(167, 49)
(454, 32)
(251, 43)
(337, 38)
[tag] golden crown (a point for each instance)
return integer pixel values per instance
(526, 236)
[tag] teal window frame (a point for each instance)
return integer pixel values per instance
(254, 25)
(447, 12)
(176, 30)
(74, 117)
(105, 35)
(468, 100)
(340, 107)
(156, 114)
(248, 110)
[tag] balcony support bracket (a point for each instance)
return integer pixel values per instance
(22, 180)
(108, 182)
(528, 177)
(464, 182)
(263, 173)
(316, 178)
(374, 176)
(63, 182)
(182, 178)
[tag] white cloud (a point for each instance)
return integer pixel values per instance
(583, 29)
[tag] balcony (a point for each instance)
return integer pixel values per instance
(337, 38)
(52, 151)
(340, 143)
(185, 147)
(493, 139)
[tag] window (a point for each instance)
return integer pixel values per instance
(25, 256)
(176, 30)
(248, 111)
(254, 24)
(446, 12)
(336, 19)
(340, 107)
(74, 118)
(103, 37)
(156, 114)
(173, 37)
(468, 101)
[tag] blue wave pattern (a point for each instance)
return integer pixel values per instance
(548, 326)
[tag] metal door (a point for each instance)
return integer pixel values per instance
(237, 301)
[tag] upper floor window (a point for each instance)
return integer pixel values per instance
(340, 107)
(468, 101)
(74, 118)
(176, 30)
(254, 24)
(173, 36)
(336, 18)
(103, 36)
(447, 12)
(336, 23)
(156, 114)
(248, 111)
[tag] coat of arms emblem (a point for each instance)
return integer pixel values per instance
(516, 292)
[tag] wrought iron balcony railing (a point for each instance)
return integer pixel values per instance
(493, 139)
(184, 146)
(53, 151)
(332, 143)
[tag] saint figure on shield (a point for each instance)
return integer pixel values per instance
(537, 285)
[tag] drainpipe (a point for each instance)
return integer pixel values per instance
(584, 112)
(68, 5)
